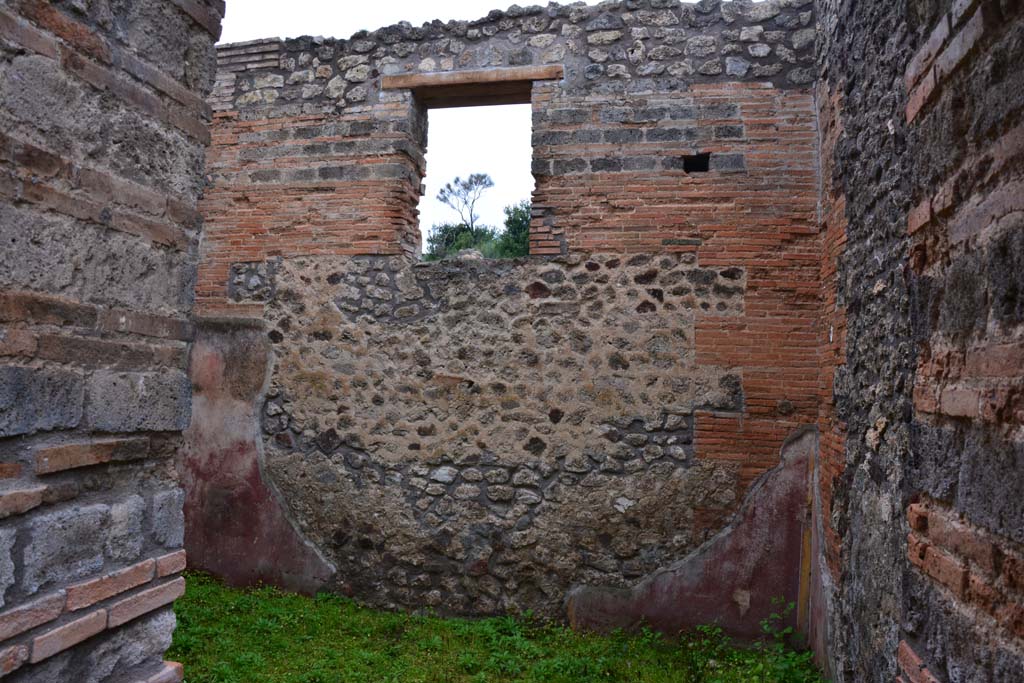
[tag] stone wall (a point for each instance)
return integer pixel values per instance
(482, 437)
(924, 115)
(602, 428)
(101, 154)
(312, 155)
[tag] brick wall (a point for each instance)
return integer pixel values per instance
(316, 167)
(966, 234)
(101, 155)
(921, 514)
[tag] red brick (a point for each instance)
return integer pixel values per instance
(21, 33)
(145, 324)
(39, 162)
(88, 593)
(962, 540)
(917, 516)
(1003, 360)
(912, 666)
(173, 563)
(1011, 617)
(926, 55)
(960, 402)
(112, 354)
(920, 95)
(916, 550)
(68, 635)
(12, 658)
(21, 306)
(960, 46)
(10, 470)
(15, 342)
(148, 600)
(80, 36)
(17, 620)
(982, 593)
(919, 216)
(71, 456)
(925, 400)
(19, 501)
(173, 672)
(1013, 571)
(947, 570)
(116, 189)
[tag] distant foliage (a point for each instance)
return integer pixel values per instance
(511, 242)
(462, 196)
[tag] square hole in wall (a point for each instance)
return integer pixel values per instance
(697, 163)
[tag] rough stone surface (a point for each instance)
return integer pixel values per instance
(33, 400)
(7, 539)
(168, 518)
(133, 402)
(470, 466)
(635, 40)
(64, 546)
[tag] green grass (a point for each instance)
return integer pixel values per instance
(264, 636)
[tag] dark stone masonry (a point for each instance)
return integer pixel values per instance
(769, 340)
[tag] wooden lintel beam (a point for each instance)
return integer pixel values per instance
(475, 77)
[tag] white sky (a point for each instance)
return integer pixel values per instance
(494, 140)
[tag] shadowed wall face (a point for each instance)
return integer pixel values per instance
(104, 125)
(924, 501)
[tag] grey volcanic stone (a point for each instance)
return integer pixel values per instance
(168, 518)
(34, 399)
(65, 545)
(7, 539)
(143, 401)
(125, 540)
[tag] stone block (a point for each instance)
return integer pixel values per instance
(125, 538)
(7, 539)
(168, 518)
(143, 401)
(65, 545)
(12, 658)
(39, 399)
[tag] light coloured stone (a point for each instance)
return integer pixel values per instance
(604, 37)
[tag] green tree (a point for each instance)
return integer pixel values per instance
(462, 196)
(515, 240)
(450, 238)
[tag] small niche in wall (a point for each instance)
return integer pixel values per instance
(697, 163)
